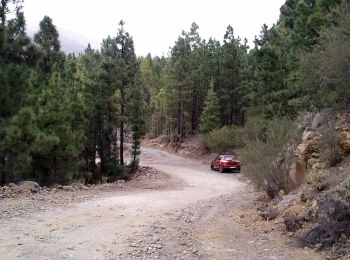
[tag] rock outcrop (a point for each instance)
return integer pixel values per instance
(325, 141)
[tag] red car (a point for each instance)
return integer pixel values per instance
(226, 162)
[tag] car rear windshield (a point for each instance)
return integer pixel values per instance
(229, 158)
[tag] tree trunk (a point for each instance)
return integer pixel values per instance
(122, 108)
(92, 166)
(135, 151)
(2, 171)
(54, 169)
(194, 117)
(181, 127)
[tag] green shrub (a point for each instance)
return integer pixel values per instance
(341, 195)
(318, 179)
(175, 138)
(225, 139)
(255, 128)
(133, 167)
(267, 154)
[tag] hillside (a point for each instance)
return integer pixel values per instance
(313, 208)
(71, 42)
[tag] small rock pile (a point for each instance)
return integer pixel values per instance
(149, 173)
(142, 248)
(22, 188)
(150, 178)
(145, 177)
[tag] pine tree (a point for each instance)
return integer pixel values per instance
(47, 37)
(136, 113)
(107, 110)
(88, 72)
(210, 118)
(127, 72)
(17, 54)
(179, 71)
(21, 135)
(15, 45)
(232, 54)
(56, 155)
(48, 40)
(117, 75)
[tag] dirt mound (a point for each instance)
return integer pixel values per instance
(191, 147)
(150, 178)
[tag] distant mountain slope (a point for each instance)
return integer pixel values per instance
(71, 42)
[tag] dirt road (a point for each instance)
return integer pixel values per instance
(201, 216)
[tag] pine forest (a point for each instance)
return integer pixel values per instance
(66, 117)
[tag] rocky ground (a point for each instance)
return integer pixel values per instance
(222, 228)
(174, 208)
(24, 199)
(311, 213)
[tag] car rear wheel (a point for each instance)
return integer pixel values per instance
(212, 167)
(221, 170)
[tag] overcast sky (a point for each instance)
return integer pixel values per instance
(154, 24)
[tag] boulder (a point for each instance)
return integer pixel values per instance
(269, 214)
(57, 186)
(79, 186)
(345, 142)
(35, 190)
(13, 186)
(292, 222)
(68, 188)
(28, 185)
(291, 198)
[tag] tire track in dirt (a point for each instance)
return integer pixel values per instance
(106, 227)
